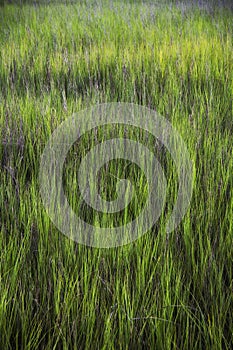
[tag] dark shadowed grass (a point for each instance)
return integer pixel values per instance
(162, 291)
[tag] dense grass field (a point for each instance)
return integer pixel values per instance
(163, 291)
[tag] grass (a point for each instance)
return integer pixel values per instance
(162, 291)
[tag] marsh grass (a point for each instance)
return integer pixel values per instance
(162, 291)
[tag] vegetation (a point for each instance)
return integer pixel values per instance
(162, 291)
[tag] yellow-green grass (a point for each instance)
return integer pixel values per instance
(162, 291)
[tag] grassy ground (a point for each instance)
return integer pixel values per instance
(162, 291)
